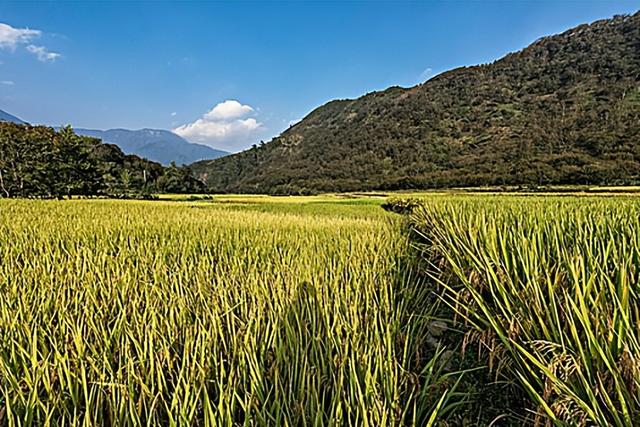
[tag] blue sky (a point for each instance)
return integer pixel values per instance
(168, 65)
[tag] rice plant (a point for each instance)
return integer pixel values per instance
(549, 288)
(213, 314)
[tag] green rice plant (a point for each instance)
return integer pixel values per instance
(549, 287)
(176, 313)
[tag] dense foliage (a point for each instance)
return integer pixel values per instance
(565, 110)
(38, 161)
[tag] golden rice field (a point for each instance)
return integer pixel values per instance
(549, 289)
(241, 312)
(321, 311)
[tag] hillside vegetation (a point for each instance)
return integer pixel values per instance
(565, 110)
(38, 161)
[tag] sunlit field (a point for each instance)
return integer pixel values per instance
(322, 310)
(211, 312)
(549, 289)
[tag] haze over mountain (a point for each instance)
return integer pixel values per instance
(154, 144)
(566, 109)
(6, 117)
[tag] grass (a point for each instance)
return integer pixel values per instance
(227, 312)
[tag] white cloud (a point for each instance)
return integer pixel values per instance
(173, 114)
(42, 53)
(203, 130)
(7, 82)
(11, 38)
(230, 109)
(225, 126)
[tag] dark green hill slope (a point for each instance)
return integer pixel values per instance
(564, 110)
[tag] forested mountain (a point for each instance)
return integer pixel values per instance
(6, 117)
(564, 110)
(158, 145)
(38, 161)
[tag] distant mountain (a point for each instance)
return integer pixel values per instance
(564, 110)
(39, 161)
(6, 117)
(158, 145)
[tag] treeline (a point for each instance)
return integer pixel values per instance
(38, 161)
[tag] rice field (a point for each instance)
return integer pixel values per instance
(548, 289)
(238, 312)
(321, 311)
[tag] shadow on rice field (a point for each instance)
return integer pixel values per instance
(325, 310)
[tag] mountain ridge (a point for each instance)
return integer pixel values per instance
(6, 117)
(159, 145)
(562, 110)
